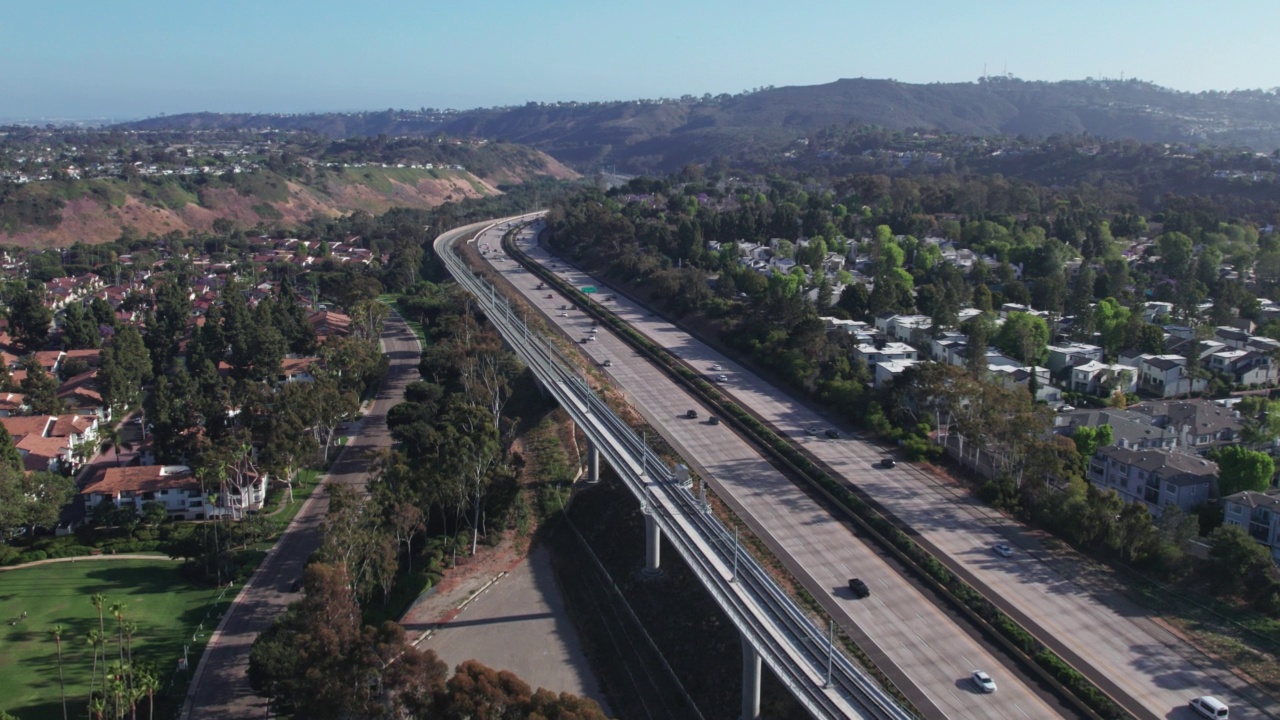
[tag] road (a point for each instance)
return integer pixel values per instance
(220, 687)
(923, 650)
(1133, 656)
(520, 624)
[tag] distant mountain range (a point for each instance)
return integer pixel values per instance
(662, 135)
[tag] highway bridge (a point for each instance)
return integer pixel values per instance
(773, 628)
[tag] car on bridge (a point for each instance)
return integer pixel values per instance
(691, 414)
(832, 433)
(1002, 550)
(1210, 707)
(888, 463)
(859, 588)
(983, 682)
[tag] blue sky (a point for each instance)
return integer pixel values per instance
(136, 58)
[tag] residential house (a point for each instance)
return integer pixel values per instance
(175, 486)
(890, 351)
(327, 323)
(12, 404)
(1166, 376)
(53, 443)
(1130, 430)
(1156, 478)
(1072, 354)
(1097, 378)
(1200, 425)
(886, 371)
(1258, 513)
(297, 369)
(80, 394)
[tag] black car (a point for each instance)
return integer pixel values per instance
(833, 434)
(859, 588)
(713, 420)
(691, 414)
(888, 463)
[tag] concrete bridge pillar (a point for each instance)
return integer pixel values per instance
(593, 463)
(652, 546)
(750, 681)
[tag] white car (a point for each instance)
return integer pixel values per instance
(716, 367)
(1210, 707)
(983, 681)
(1002, 550)
(722, 378)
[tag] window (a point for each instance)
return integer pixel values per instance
(148, 496)
(1170, 487)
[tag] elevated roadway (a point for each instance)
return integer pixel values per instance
(1131, 655)
(774, 629)
(927, 655)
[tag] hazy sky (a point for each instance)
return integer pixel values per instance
(135, 58)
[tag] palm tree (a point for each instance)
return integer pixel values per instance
(97, 707)
(148, 681)
(130, 627)
(113, 439)
(117, 610)
(56, 632)
(94, 638)
(99, 600)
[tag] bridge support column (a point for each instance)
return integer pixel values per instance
(593, 463)
(652, 546)
(750, 681)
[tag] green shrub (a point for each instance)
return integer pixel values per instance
(31, 556)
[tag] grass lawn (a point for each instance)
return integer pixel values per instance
(166, 608)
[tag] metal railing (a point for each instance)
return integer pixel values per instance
(798, 651)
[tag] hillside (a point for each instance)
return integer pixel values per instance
(663, 135)
(60, 212)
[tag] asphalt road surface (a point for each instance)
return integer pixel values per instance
(220, 687)
(922, 649)
(1133, 657)
(520, 624)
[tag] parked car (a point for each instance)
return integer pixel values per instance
(1210, 707)
(983, 681)
(859, 588)
(1002, 550)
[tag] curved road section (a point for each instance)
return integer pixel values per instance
(220, 686)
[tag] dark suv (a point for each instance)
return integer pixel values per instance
(859, 588)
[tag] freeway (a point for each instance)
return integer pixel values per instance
(1134, 658)
(773, 627)
(220, 686)
(923, 650)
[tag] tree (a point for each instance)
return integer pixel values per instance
(126, 366)
(30, 320)
(1239, 562)
(79, 328)
(1088, 440)
(1242, 469)
(9, 455)
(113, 439)
(41, 389)
(975, 360)
(1024, 336)
(56, 632)
(1151, 339)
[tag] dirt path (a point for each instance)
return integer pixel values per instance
(87, 558)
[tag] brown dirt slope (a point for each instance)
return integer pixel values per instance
(87, 219)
